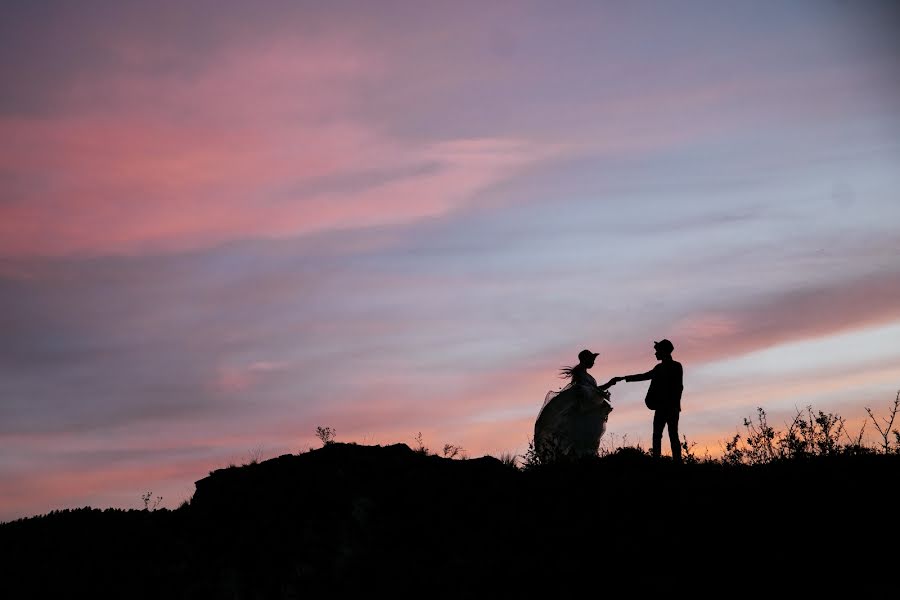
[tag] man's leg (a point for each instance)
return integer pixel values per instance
(659, 421)
(672, 422)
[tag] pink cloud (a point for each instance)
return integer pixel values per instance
(705, 327)
(236, 151)
(793, 316)
(240, 379)
(195, 188)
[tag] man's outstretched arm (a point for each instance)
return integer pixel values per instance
(638, 377)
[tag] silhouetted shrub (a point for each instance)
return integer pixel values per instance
(886, 431)
(326, 435)
(550, 451)
(150, 503)
(255, 455)
(420, 445)
(452, 451)
(509, 459)
(810, 434)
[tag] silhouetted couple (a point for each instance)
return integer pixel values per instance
(572, 420)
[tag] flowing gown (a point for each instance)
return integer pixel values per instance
(572, 420)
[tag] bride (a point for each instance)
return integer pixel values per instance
(573, 419)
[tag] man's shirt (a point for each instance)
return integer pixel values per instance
(666, 385)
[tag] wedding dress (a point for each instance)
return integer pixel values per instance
(572, 420)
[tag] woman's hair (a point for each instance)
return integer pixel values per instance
(566, 372)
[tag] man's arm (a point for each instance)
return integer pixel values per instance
(640, 376)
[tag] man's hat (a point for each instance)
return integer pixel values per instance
(664, 345)
(585, 354)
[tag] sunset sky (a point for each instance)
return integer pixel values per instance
(223, 224)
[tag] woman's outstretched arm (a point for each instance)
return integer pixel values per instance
(608, 384)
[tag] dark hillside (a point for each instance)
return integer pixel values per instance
(388, 521)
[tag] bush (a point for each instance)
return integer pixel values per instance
(810, 434)
(326, 435)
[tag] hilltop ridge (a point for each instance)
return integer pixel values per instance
(348, 519)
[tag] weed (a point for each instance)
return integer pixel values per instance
(886, 431)
(550, 450)
(809, 434)
(509, 459)
(325, 435)
(255, 455)
(150, 503)
(452, 451)
(420, 445)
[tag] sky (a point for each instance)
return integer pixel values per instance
(224, 224)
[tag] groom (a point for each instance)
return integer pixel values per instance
(663, 396)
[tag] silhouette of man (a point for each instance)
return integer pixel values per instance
(663, 396)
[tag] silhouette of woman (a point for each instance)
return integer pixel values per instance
(572, 420)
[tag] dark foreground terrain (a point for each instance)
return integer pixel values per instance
(371, 521)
